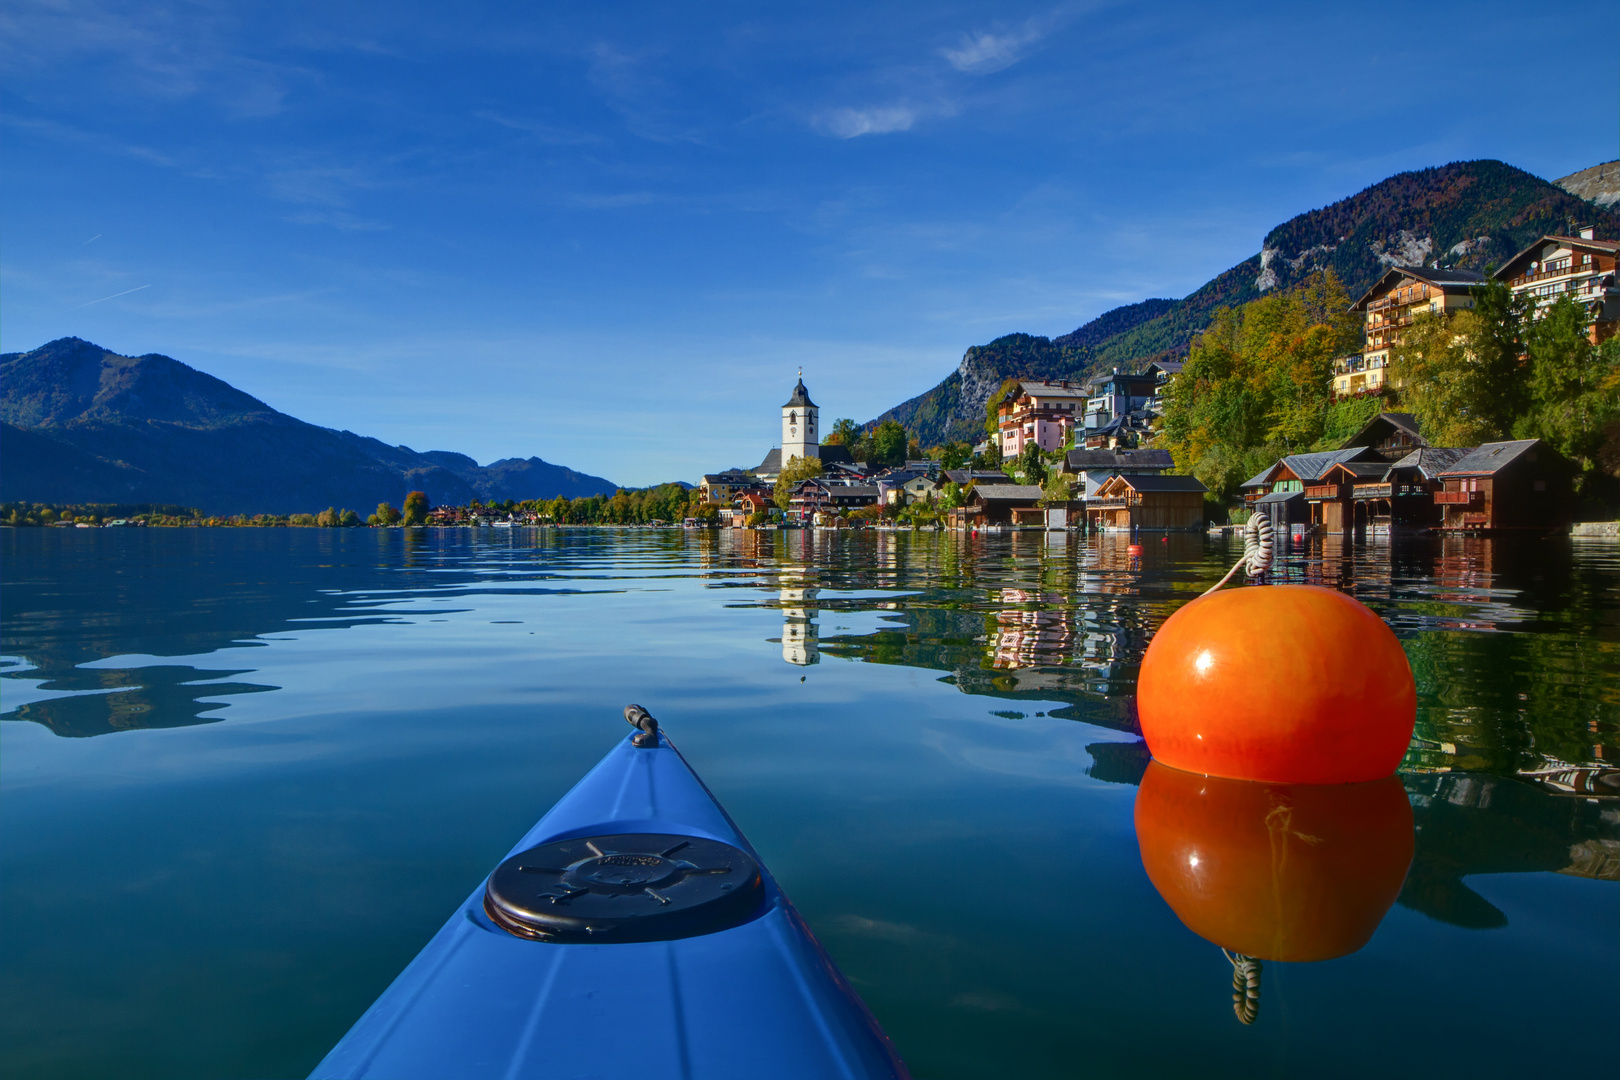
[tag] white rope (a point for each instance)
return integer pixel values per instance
(1245, 987)
(1258, 541)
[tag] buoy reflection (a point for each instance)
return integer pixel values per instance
(1290, 872)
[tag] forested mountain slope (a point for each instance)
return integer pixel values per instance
(81, 424)
(1466, 214)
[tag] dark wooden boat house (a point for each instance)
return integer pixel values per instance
(1148, 501)
(1002, 504)
(1520, 484)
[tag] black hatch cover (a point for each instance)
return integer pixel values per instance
(624, 887)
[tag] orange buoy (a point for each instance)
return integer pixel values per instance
(1134, 550)
(1291, 684)
(1289, 872)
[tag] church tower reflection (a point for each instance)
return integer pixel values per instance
(799, 631)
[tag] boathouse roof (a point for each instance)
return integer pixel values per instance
(1492, 457)
(1431, 461)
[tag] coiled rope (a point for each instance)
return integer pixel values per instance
(1258, 541)
(1245, 986)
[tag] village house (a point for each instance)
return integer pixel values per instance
(1389, 307)
(1148, 501)
(812, 497)
(902, 486)
(1405, 496)
(722, 487)
(1331, 500)
(1000, 504)
(1117, 394)
(1037, 412)
(743, 505)
(1521, 484)
(1578, 266)
(1389, 435)
(921, 488)
(963, 477)
(1094, 467)
(1279, 488)
(1163, 371)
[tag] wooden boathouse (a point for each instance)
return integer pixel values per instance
(1520, 484)
(1148, 501)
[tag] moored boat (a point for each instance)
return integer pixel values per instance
(632, 932)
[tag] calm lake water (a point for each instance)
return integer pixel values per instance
(246, 774)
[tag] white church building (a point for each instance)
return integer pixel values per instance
(801, 434)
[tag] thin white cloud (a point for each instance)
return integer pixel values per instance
(983, 52)
(847, 123)
(114, 296)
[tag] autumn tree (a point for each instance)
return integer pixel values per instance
(844, 432)
(1442, 381)
(1256, 383)
(795, 471)
(416, 508)
(386, 514)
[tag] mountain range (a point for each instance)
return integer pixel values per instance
(79, 424)
(1468, 214)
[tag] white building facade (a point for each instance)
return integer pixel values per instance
(800, 424)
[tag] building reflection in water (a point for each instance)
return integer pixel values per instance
(797, 597)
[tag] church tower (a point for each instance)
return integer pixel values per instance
(800, 437)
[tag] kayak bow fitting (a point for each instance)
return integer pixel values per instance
(641, 718)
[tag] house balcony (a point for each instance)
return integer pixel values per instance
(1113, 504)
(1459, 498)
(1548, 275)
(1316, 492)
(1391, 301)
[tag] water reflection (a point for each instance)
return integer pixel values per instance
(1470, 825)
(1291, 872)
(799, 632)
(419, 723)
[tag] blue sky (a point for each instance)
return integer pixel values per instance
(610, 234)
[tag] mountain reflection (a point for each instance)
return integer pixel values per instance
(1515, 644)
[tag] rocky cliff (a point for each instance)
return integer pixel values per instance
(1466, 214)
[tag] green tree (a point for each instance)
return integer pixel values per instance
(1030, 464)
(348, 519)
(416, 508)
(1442, 382)
(1496, 351)
(386, 514)
(888, 444)
(1574, 387)
(845, 432)
(1256, 383)
(955, 455)
(800, 468)
(992, 408)
(327, 518)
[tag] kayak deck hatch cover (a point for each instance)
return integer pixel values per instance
(633, 932)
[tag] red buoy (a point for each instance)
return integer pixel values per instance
(1134, 551)
(1291, 684)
